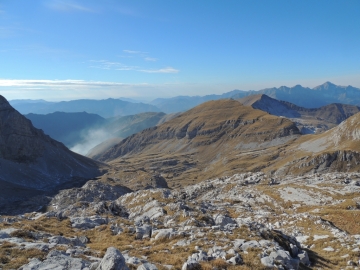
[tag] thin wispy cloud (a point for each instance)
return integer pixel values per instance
(71, 89)
(150, 59)
(161, 70)
(134, 52)
(144, 55)
(57, 83)
(109, 65)
(104, 64)
(68, 6)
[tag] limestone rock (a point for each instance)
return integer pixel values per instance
(57, 260)
(66, 241)
(250, 244)
(143, 231)
(190, 265)
(147, 266)
(163, 234)
(222, 220)
(113, 260)
(284, 258)
(236, 260)
(87, 222)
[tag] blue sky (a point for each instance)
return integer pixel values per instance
(67, 49)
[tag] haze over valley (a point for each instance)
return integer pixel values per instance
(192, 135)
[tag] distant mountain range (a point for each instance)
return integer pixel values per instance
(318, 96)
(105, 108)
(184, 103)
(321, 95)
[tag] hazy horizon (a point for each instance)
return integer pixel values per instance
(149, 99)
(73, 49)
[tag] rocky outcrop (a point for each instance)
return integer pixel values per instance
(332, 162)
(228, 221)
(58, 259)
(92, 192)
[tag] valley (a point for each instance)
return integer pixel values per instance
(228, 184)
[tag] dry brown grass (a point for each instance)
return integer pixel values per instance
(23, 234)
(242, 232)
(346, 220)
(251, 261)
(12, 257)
(49, 225)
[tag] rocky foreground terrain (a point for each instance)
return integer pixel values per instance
(244, 221)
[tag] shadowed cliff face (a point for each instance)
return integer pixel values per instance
(32, 163)
(19, 140)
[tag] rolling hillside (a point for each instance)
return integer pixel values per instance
(202, 142)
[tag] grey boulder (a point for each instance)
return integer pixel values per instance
(66, 241)
(284, 258)
(190, 265)
(223, 221)
(236, 260)
(113, 260)
(87, 222)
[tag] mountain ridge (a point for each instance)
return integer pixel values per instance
(314, 120)
(105, 108)
(318, 96)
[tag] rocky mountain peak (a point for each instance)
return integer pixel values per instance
(4, 104)
(326, 86)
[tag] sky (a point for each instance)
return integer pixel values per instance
(142, 49)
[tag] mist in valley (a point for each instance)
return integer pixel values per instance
(90, 139)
